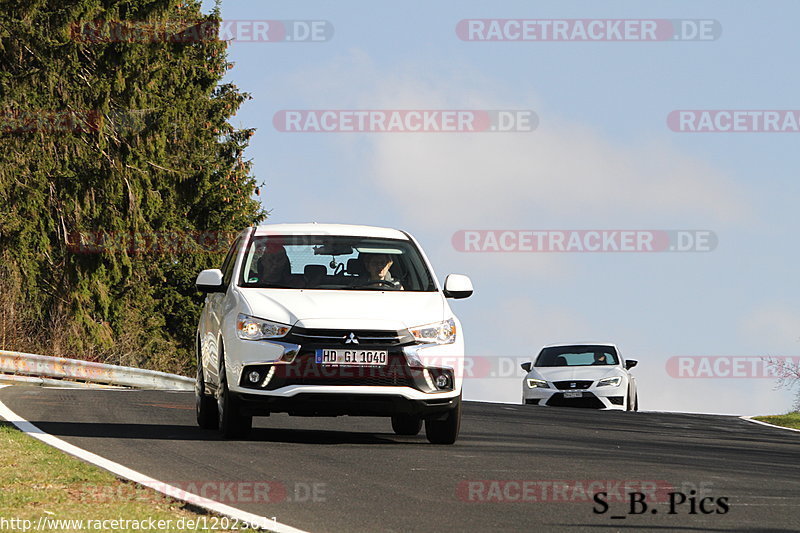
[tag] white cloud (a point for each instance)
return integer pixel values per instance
(564, 172)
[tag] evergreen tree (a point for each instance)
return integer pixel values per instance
(114, 136)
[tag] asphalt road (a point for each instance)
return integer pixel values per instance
(514, 468)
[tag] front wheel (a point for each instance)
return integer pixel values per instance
(205, 405)
(406, 424)
(232, 423)
(633, 402)
(445, 431)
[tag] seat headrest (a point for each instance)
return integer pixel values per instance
(315, 271)
(356, 267)
(314, 274)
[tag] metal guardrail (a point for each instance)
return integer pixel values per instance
(16, 379)
(43, 366)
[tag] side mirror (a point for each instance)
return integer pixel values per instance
(630, 363)
(526, 366)
(457, 286)
(210, 281)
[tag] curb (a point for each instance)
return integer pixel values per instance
(750, 419)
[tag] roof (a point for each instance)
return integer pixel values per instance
(610, 344)
(330, 229)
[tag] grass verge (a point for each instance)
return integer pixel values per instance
(790, 420)
(40, 485)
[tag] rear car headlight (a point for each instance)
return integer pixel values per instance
(609, 382)
(537, 383)
(438, 332)
(250, 328)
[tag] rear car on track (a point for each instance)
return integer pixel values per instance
(329, 320)
(581, 375)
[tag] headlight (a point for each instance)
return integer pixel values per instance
(609, 382)
(439, 332)
(252, 329)
(537, 383)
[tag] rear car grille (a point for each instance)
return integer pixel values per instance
(572, 385)
(588, 401)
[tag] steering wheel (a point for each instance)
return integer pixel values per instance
(378, 282)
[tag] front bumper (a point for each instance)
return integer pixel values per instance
(365, 401)
(420, 379)
(590, 398)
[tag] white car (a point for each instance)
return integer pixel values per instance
(581, 375)
(329, 320)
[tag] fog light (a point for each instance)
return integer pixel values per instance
(443, 382)
(253, 376)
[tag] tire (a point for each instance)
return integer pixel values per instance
(406, 424)
(445, 431)
(633, 403)
(232, 423)
(205, 405)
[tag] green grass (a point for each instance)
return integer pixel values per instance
(790, 420)
(37, 481)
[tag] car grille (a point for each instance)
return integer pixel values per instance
(336, 337)
(588, 401)
(568, 385)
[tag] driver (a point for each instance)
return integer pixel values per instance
(599, 358)
(377, 267)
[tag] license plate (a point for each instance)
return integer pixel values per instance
(352, 357)
(573, 394)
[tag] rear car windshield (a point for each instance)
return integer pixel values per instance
(334, 262)
(577, 356)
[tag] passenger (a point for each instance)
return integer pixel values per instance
(274, 267)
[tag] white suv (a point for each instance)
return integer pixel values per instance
(329, 320)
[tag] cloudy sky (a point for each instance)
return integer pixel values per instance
(601, 157)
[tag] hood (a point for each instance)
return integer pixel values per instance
(341, 309)
(569, 373)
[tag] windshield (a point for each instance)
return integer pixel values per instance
(577, 356)
(334, 262)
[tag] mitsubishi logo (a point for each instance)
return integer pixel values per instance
(351, 339)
